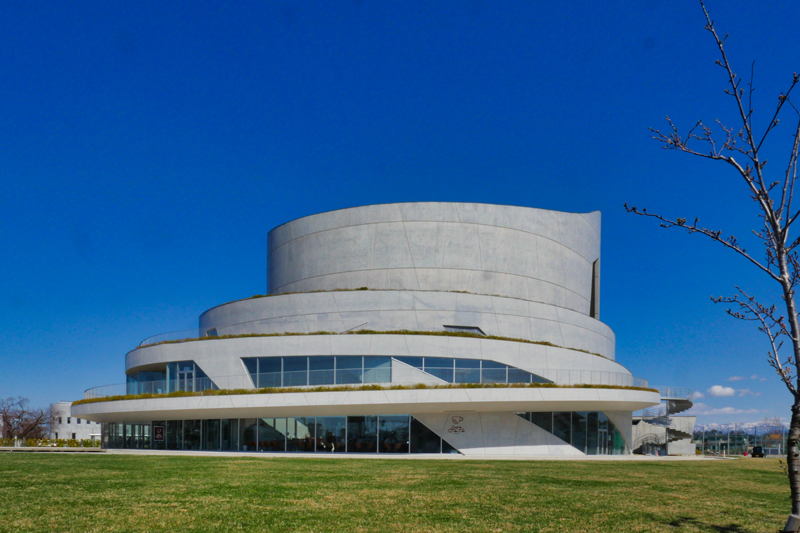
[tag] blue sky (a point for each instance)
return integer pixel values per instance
(148, 148)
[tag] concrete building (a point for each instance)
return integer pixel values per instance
(65, 426)
(423, 301)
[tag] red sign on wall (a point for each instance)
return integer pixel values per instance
(158, 433)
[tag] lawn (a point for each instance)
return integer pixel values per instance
(55, 492)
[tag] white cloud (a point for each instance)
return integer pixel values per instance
(704, 409)
(718, 391)
(762, 379)
(698, 395)
(747, 392)
(754, 376)
(736, 378)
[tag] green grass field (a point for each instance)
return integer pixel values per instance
(54, 492)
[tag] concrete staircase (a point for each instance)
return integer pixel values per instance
(657, 427)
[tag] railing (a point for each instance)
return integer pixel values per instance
(173, 336)
(676, 393)
(342, 377)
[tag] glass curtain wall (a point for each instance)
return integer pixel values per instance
(590, 432)
(330, 434)
(352, 370)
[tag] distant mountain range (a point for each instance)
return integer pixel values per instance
(748, 426)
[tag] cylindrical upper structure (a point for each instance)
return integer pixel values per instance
(532, 254)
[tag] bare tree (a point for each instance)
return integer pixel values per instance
(742, 148)
(17, 420)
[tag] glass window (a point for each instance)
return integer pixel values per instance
(393, 434)
(320, 370)
(295, 371)
(300, 434)
(229, 434)
(174, 434)
(468, 371)
(562, 426)
(331, 433)
(543, 420)
(269, 372)
(211, 434)
(251, 364)
(493, 372)
(441, 367)
(416, 362)
(592, 428)
(423, 440)
(247, 434)
(271, 434)
(516, 375)
(348, 369)
(362, 434)
(191, 435)
(377, 369)
(579, 431)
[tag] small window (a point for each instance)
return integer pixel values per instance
(212, 333)
(59, 421)
(73, 436)
(79, 420)
(464, 329)
(56, 435)
(69, 420)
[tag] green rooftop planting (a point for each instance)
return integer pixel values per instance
(350, 388)
(375, 332)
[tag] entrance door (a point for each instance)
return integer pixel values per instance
(602, 442)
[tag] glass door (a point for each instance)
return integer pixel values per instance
(185, 379)
(602, 440)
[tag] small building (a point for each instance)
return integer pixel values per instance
(65, 426)
(398, 328)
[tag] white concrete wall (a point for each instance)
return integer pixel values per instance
(415, 401)
(63, 424)
(390, 310)
(533, 254)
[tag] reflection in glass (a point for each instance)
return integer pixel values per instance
(377, 369)
(348, 369)
(362, 434)
(271, 434)
(191, 434)
(295, 371)
(300, 434)
(393, 434)
(229, 434)
(247, 434)
(441, 367)
(493, 372)
(468, 371)
(592, 428)
(562, 426)
(423, 440)
(320, 370)
(269, 372)
(543, 420)
(174, 434)
(579, 431)
(331, 433)
(211, 434)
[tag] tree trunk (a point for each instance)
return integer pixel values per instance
(793, 456)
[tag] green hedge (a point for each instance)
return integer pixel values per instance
(53, 443)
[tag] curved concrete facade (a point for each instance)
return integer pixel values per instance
(533, 254)
(394, 310)
(371, 295)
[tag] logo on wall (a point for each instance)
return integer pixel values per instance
(158, 433)
(456, 427)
